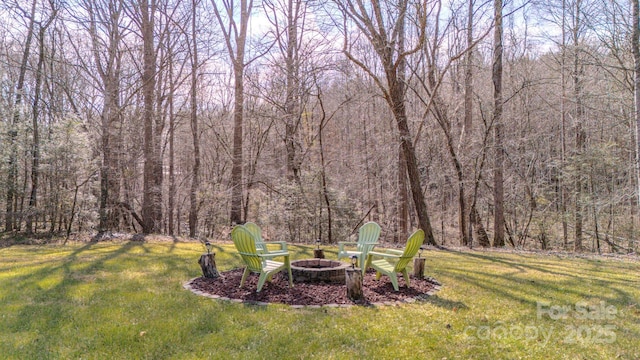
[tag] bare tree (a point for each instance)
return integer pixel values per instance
(152, 182)
(172, 138)
(103, 26)
(403, 198)
(563, 123)
(498, 181)
(35, 146)
(468, 114)
(380, 23)
(195, 180)
(635, 47)
(234, 27)
(429, 74)
(287, 17)
(577, 72)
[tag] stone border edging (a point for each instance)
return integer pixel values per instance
(409, 300)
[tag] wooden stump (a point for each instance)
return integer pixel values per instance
(208, 264)
(353, 277)
(318, 253)
(418, 268)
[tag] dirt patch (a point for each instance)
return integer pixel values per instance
(278, 291)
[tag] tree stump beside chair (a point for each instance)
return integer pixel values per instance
(208, 265)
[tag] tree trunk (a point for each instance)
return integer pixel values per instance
(325, 189)
(159, 117)
(468, 79)
(292, 100)
(635, 44)
(402, 199)
(171, 206)
(236, 168)
(108, 69)
(195, 179)
(235, 38)
(152, 195)
(498, 182)
(35, 152)
(466, 136)
(580, 134)
(563, 141)
(412, 168)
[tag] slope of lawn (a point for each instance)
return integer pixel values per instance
(126, 301)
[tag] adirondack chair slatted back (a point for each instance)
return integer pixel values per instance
(413, 245)
(367, 237)
(246, 246)
(254, 229)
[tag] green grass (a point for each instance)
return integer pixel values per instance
(126, 301)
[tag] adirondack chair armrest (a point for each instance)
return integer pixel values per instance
(274, 254)
(395, 251)
(387, 255)
(283, 244)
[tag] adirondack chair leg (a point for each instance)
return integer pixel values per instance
(261, 280)
(405, 273)
(367, 263)
(288, 265)
(244, 276)
(378, 275)
(394, 281)
(363, 264)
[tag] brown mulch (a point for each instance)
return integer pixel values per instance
(278, 290)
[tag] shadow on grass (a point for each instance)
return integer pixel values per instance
(54, 278)
(438, 301)
(47, 292)
(541, 279)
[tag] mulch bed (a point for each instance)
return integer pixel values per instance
(278, 290)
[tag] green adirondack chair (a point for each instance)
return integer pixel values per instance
(256, 262)
(261, 245)
(368, 235)
(396, 261)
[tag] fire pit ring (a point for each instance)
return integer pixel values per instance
(318, 270)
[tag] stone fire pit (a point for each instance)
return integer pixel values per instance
(318, 270)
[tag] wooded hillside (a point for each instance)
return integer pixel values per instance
(484, 123)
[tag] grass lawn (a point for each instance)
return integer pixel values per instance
(126, 301)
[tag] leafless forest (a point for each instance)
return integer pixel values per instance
(485, 123)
